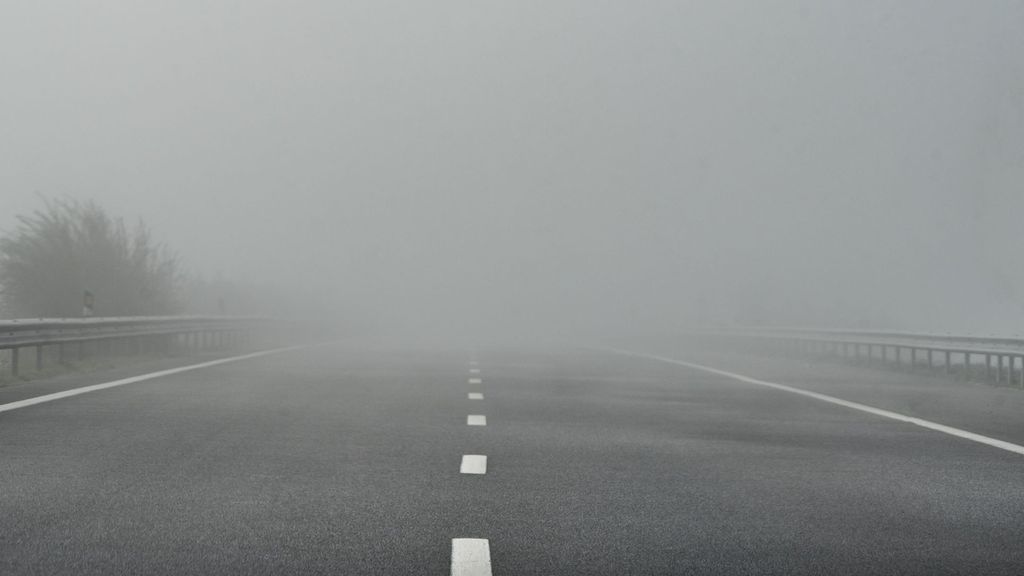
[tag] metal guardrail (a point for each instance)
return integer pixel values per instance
(1000, 360)
(136, 333)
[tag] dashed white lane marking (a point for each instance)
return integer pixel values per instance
(471, 557)
(476, 396)
(473, 464)
(476, 381)
(476, 420)
(474, 370)
(1001, 444)
(140, 378)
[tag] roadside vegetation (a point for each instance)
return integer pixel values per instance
(71, 258)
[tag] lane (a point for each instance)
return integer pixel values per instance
(978, 407)
(348, 460)
(17, 391)
(872, 410)
(313, 462)
(612, 465)
(75, 391)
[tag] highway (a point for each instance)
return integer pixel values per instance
(351, 459)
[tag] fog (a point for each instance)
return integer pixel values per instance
(572, 170)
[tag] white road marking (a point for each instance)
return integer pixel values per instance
(1001, 444)
(140, 378)
(471, 557)
(473, 464)
(476, 396)
(474, 370)
(476, 381)
(476, 420)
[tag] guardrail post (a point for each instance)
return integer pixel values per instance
(988, 367)
(949, 365)
(39, 358)
(930, 359)
(14, 361)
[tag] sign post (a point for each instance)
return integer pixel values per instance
(88, 304)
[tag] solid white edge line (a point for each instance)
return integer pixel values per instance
(476, 396)
(139, 378)
(476, 381)
(476, 420)
(473, 464)
(471, 557)
(1001, 444)
(474, 370)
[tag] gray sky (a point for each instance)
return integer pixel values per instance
(566, 166)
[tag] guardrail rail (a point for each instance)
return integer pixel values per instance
(999, 360)
(131, 334)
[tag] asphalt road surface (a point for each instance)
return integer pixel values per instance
(358, 460)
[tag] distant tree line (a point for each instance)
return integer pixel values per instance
(69, 254)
